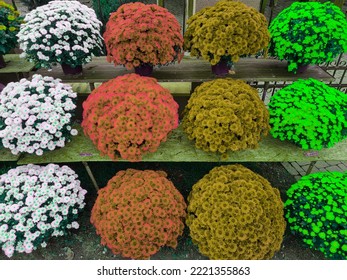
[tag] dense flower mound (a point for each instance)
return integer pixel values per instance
(226, 30)
(138, 212)
(64, 32)
(35, 115)
(234, 213)
(10, 22)
(129, 116)
(316, 210)
(308, 33)
(37, 202)
(143, 34)
(309, 113)
(225, 114)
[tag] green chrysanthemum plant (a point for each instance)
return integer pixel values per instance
(308, 33)
(316, 210)
(310, 114)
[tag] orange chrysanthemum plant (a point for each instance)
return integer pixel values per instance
(129, 116)
(139, 34)
(138, 212)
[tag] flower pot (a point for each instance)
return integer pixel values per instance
(302, 68)
(221, 68)
(69, 70)
(144, 70)
(2, 61)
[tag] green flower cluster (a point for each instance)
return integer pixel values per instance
(10, 22)
(227, 30)
(234, 213)
(309, 113)
(308, 33)
(225, 114)
(316, 210)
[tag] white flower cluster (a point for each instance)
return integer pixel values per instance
(36, 115)
(60, 32)
(37, 202)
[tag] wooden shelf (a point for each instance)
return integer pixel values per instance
(6, 155)
(15, 64)
(179, 149)
(192, 70)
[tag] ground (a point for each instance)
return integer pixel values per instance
(84, 243)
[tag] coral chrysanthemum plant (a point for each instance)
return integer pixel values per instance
(227, 30)
(64, 32)
(225, 114)
(10, 22)
(36, 115)
(308, 33)
(138, 212)
(234, 213)
(36, 203)
(143, 34)
(316, 210)
(309, 113)
(129, 116)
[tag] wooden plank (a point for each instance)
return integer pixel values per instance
(193, 70)
(176, 89)
(6, 155)
(15, 64)
(179, 149)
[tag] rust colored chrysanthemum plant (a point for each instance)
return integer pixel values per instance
(138, 212)
(129, 116)
(139, 34)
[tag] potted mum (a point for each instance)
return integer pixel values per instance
(63, 32)
(235, 214)
(129, 116)
(10, 22)
(308, 33)
(149, 215)
(225, 114)
(36, 203)
(310, 114)
(223, 33)
(36, 115)
(141, 36)
(316, 211)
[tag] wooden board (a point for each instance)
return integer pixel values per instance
(192, 70)
(6, 155)
(179, 149)
(176, 89)
(15, 64)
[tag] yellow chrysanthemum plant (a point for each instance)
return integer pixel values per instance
(223, 33)
(225, 115)
(10, 22)
(235, 214)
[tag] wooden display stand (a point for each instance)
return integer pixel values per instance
(180, 79)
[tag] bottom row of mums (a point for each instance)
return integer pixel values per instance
(232, 212)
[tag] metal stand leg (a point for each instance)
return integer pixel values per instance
(91, 176)
(312, 164)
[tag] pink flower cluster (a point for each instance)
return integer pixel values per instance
(129, 116)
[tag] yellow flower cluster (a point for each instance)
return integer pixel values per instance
(225, 114)
(10, 7)
(229, 28)
(234, 213)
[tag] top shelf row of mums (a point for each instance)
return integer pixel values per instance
(142, 36)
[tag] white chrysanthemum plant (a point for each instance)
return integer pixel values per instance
(36, 115)
(63, 32)
(36, 203)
